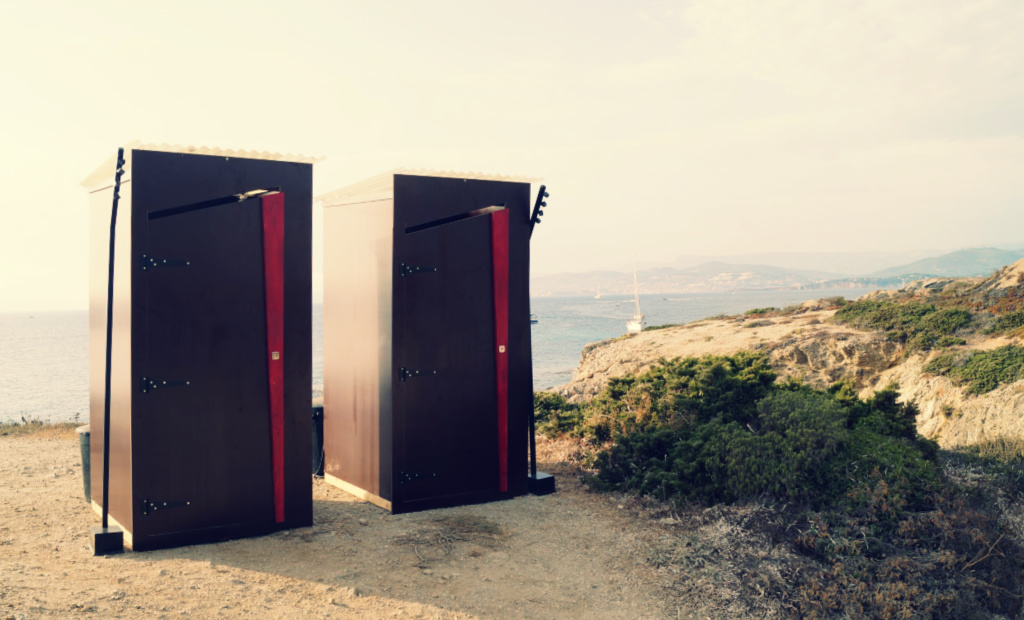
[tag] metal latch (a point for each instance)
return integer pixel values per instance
(150, 384)
(407, 270)
(149, 506)
(149, 262)
(404, 373)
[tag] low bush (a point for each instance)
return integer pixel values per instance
(981, 371)
(676, 392)
(1008, 322)
(554, 416)
(35, 427)
(917, 325)
(651, 328)
(889, 533)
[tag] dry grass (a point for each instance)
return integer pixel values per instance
(1005, 449)
(564, 454)
(59, 430)
(744, 560)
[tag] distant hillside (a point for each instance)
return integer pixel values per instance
(843, 263)
(959, 264)
(718, 276)
(707, 277)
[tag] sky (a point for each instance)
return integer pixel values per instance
(707, 127)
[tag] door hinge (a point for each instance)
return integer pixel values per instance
(149, 262)
(150, 385)
(408, 270)
(149, 506)
(405, 373)
(406, 477)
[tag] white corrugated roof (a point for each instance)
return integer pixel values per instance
(381, 186)
(106, 170)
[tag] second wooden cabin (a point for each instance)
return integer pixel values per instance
(427, 362)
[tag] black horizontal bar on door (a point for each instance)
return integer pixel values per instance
(454, 218)
(213, 202)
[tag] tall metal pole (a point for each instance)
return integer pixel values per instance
(110, 328)
(534, 220)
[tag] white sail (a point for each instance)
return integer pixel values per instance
(636, 324)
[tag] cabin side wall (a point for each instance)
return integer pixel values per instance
(358, 271)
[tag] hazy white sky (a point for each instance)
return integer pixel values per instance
(661, 128)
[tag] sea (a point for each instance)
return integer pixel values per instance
(44, 364)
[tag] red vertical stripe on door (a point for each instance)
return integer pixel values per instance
(273, 278)
(499, 261)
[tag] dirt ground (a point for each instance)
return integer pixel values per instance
(573, 554)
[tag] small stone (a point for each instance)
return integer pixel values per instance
(427, 571)
(363, 522)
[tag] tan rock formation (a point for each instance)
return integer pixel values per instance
(812, 347)
(808, 345)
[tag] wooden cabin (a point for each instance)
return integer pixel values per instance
(427, 363)
(211, 343)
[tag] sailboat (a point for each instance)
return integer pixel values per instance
(636, 324)
(598, 296)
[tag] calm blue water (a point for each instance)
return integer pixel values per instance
(44, 363)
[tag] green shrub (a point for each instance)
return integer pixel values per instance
(720, 430)
(757, 311)
(883, 414)
(942, 364)
(1008, 322)
(898, 463)
(554, 416)
(948, 341)
(651, 328)
(917, 325)
(886, 533)
(982, 371)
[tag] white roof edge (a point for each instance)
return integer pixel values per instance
(106, 169)
(382, 184)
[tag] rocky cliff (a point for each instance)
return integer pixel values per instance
(810, 345)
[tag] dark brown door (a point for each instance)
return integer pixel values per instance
(202, 439)
(446, 406)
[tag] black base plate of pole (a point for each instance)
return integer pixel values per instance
(542, 484)
(106, 540)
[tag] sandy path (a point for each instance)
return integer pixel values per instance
(568, 555)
